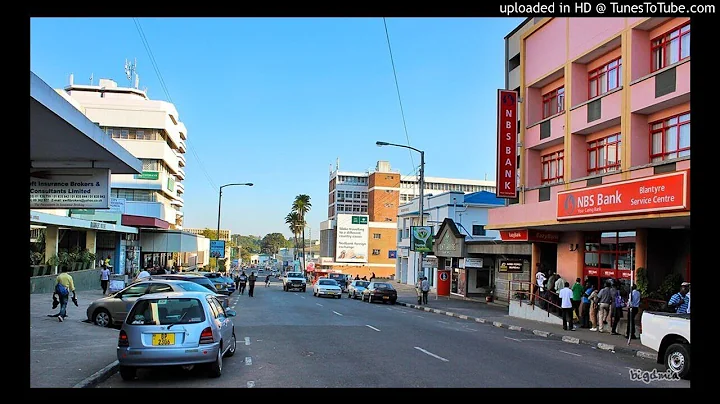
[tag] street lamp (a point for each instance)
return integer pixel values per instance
(421, 183)
(249, 184)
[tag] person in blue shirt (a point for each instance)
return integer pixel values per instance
(586, 305)
(633, 307)
(679, 301)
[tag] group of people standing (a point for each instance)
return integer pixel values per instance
(242, 281)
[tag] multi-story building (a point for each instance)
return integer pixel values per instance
(605, 146)
(152, 131)
(224, 233)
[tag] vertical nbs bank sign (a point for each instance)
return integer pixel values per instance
(70, 188)
(507, 144)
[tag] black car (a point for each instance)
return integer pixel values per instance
(200, 280)
(341, 280)
(379, 292)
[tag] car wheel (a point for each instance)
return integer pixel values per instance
(340, 296)
(392, 301)
(231, 349)
(677, 359)
(128, 373)
(303, 289)
(102, 318)
(216, 367)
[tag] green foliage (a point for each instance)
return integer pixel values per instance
(73, 259)
(642, 281)
(272, 243)
(249, 244)
(670, 285)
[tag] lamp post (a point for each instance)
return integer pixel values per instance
(217, 235)
(421, 184)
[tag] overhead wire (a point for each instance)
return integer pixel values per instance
(164, 87)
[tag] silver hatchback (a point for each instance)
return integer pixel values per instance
(176, 329)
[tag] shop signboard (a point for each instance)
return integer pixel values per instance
(217, 248)
(591, 272)
(473, 262)
(530, 235)
(70, 188)
(429, 262)
(352, 238)
(148, 175)
(655, 194)
(392, 254)
(421, 238)
(443, 282)
(507, 144)
(511, 265)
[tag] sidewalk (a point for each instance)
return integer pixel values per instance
(497, 315)
(68, 354)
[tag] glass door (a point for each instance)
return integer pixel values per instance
(454, 281)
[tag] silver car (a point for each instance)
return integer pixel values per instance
(114, 308)
(356, 288)
(176, 329)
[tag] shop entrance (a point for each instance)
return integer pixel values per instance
(548, 256)
(609, 256)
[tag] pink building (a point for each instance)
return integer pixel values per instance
(604, 147)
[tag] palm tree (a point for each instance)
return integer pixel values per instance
(302, 206)
(293, 221)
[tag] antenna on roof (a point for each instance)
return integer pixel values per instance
(92, 78)
(131, 72)
(485, 176)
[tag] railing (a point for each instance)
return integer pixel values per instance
(528, 293)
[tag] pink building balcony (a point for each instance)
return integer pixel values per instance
(665, 88)
(546, 133)
(532, 212)
(597, 114)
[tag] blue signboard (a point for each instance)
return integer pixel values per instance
(217, 248)
(392, 254)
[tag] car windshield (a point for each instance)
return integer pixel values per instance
(385, 286)
(328, 282)
(192, 287)
(337, 276)
(362, 284)
(294, 275)
(166, 311)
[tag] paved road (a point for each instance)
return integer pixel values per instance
(292, 339)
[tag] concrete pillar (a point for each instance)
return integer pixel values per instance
(91, 245)
(641, 248)
(52, 236)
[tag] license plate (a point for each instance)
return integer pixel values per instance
(163, 339)
(386, 297)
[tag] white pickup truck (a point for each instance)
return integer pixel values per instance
(294, 280)
(669, 335)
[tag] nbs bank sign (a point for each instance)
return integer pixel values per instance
(66, 188)
(352, 238)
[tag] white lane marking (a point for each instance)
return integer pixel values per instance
(444, 322)
(387, 308)
(302, 297)
(569, 353)
(514, 339)
(319, 304)
(247, 340)
(431, 354)
(419, 316)
(337, 313)
(250, 384)
(248, 361)
(371, 327)
(295, 294)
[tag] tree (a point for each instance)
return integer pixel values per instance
(302, 206)
(251, 244)
(272, 243)
(294, 223)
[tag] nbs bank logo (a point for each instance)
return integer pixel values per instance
(570, 204)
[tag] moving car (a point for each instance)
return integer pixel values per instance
(341, 280)
(294, 280)
(379, 291)
(356, 288)
(200, 280)
(112, 309)
(327, 287)
(669, 335)
(176, 329)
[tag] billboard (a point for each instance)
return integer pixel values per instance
(421, 238)
(217, 248)
(351, 244)
(70, 188)
(507, 144)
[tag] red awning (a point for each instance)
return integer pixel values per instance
(144, 221)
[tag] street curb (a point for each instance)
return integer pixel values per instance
(99, 376)
(545, 334)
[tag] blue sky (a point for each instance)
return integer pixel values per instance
(276, 101)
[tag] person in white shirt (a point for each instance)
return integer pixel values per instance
(104, 279)
(566, 295)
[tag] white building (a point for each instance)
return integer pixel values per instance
(469, 212)
(150, 130)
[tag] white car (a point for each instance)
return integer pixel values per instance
(669, 335)
(327, 287)
(356, 288)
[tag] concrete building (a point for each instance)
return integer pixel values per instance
(150, 130)
(605, 147)
(224, 233)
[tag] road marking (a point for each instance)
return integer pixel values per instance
(371, 327)
(514, 339)
(431, 354)
(417, 315)
(337, 313)
(569, 353)
(248, 361)
(295, 294)
(247, 340)
(387, 308)
(319, 304)
(302, 297)
(250, 384)
(444, 322)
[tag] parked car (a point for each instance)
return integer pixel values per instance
(379, 291)
(327, 287)
(200, 280)
(669, 335)
(218, 278)
(341, 280)
(356, 288)
(176, 329)
(112, 309)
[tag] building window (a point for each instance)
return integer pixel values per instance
(554, 102)
(604, 154)
(376, 252)
(671, 47)
(609, 256)
(670, 138)
(376, 236)
(605, 78)
(478, 230)
(552, 167)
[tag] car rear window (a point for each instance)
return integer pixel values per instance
(328, 282)
(294, 275)
(362, 283)
(166, 311)
(192, 287)
(383, 286)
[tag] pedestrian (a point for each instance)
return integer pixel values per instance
(104, 279)
(251, 284)
(680, 301)
(619, 306)
(585, 308)
(372, 277)
(425, 285)
(688, 300)
(243, 281)
(418, 290)
(267, 281)
(606, 298)
(633, 307)
(566, 295)
(577, 290)
(594, 309)
(540, 279)
(559, 285)
(64, 285)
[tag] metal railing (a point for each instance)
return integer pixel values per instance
(528, 293)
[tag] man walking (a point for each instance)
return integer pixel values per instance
(63, 287)
(425, 287)
(242, 279)
(251, 284)
(566, 295)
(606, 298)
(634, 306)
(577, 291)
